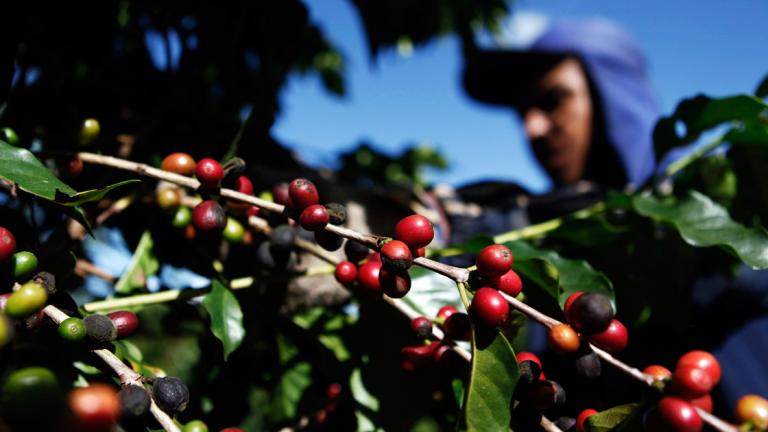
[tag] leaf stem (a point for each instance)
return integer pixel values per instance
(688, 159)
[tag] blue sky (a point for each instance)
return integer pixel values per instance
(715, 47)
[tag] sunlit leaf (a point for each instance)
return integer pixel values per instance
(142, 265)
(226, 317)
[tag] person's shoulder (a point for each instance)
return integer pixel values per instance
(493, 193)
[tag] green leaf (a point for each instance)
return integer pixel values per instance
(292, 384)
(558, 276)
(367, 402)
(326, 326)
(90, 195)
(226, 317)
(142, 265)
(701, 222)
(762, 88)
(492, 382)
(622, 417)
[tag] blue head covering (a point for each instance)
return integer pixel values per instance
(616, 68)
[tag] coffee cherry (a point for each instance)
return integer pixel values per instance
(394, 284)
(47, 281)
(314, 217)
(134, 401)
(95, 408)
(494, 260)
(6, 330)
(489, 308)
(414, 357)
(545, 394)
(72, 329)
(420, 252)
(678, 414)
(209, 173)
(704, 402)
(89, 131)
(171, 394)
(355, 251)
(591, 313)
(23, 264)
(333, 391)
(587, 365)
(509, 283)
(444, 312)
(346, 273)
(70, 167)
(30, 298)
(582, 418)
(283, 237)
(209, 216)
(303, 194)
(527, 356)
(182, 217)
(458, 327)
(126, 322)
(753, 409)
(421, 327)
(179, 163)
(100, 328)
(368, 279)
(281, 195)
(701, 360)
(168, 198)
(328, 240)
(690, 382)
(337, 213)
(659, 373)
(613, 339)
(529, 371)
(396, 256)
(415, 230)
(234, 232)
(243, 185)
(195, 426)
(569, 302)
(563, 339)
(9, 136)
(7, 244)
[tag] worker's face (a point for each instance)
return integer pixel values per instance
(558, 121)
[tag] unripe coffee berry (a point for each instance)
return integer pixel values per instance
(29, 299)
(691, 382)
(234, 232)
(678, 414)
(179, 163)
(72, 329)
(368, 279)
(704, 361)
(395, 284)
(182, 217)
(489, 308)
(753, 409)
(303, 193)
(89, 131)
(6, 330)
(7, 244)
(171, 394)
(396, 256)
(421, 327)
(458, 327)
(9, 135)
(415, 230)
(563, 339)
(134, 401)
(346, 273)
(494, 260)
(582, 418)
(209, 173)
(94, 408)
(168, 198)
(314, 217)
(658, 372)
(613, 339)
(209, 216)
(337, 213)
(23, 263)
(591, 313)
(126, 322)
(195, 426)
(100, 328)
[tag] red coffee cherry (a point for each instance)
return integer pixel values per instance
(209, 216)
(394, 284)
(209, 173)
(563, 339)
(415, 230)
(421, 327)
(420, 252)
(280, 194)
(333, 391)
(7, 244)
(753, 409)
(690, 382)
(70, 167)
(179, 163)
(569, 302)
(368, 278)
(701, 360)
(582, 418)
(126, 322)
(458, 327)
(489, 308)
(545, 394)
(704, 402)
(346, 273)
(95, 408)
(415, 357)
(243, 185)
(659, 373)
(613, 339)
(314, 217)
(444, 312)
(509, 283)
(678, 414)
(494, 260)
(303, 193)
(527, 356)
(395, 255)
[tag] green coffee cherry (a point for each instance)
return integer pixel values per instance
(6, 330)
(30, 298)
(9, 135)
(25, 385)
(72, 329)
(234, 231)
(195, 426)
(23, 263)
(89, 131)
(182, 217)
